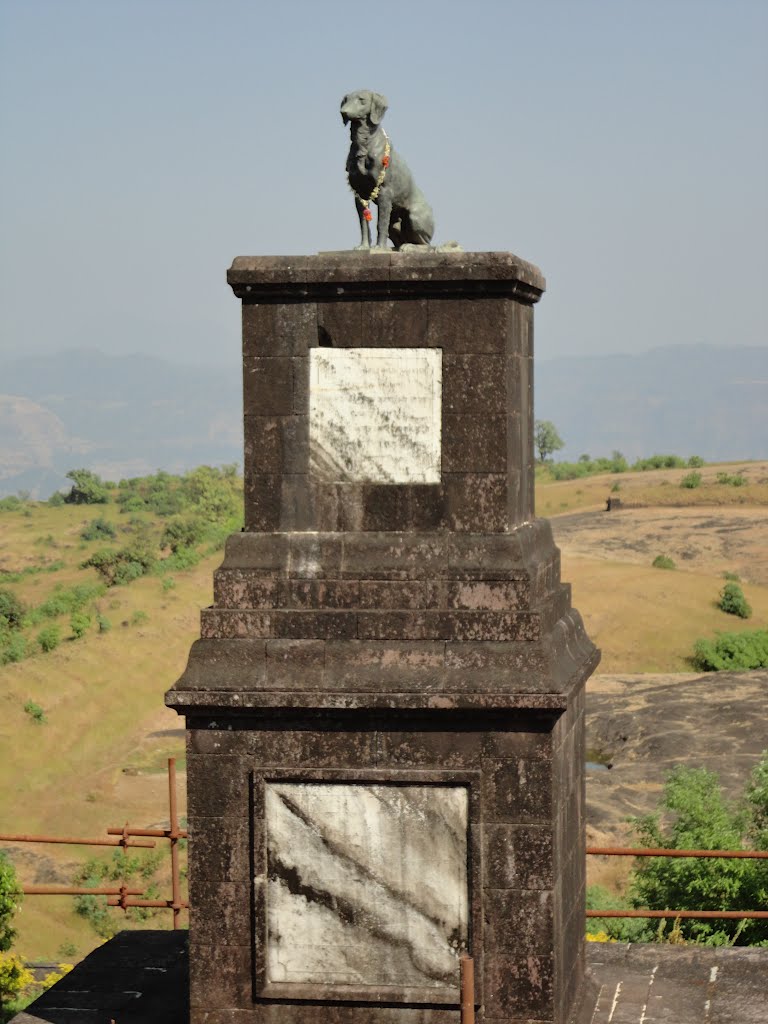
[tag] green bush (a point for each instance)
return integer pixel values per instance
(35, 712)
(733, 602)
(731, 480)
(10, 504)
(663, 562)
(168, 583)
(732, 651)
(103, 623)
(64, 601)
(659, 462)
(182, 532)
(139, 617)
(732, 576)
(79, 623)
(56, 499)
(695, 462)
(49, 638)
(184, 558)
(691, 480)
(95, 873)
(701, 818)
(11, 609)
(87, 488)
(10, 898)
(121, 566)
(622, 929)
(13, 647)
(98, 529)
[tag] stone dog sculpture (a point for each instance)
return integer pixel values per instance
(378, 174)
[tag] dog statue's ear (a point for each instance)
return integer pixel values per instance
(344, 118)
(378, 107)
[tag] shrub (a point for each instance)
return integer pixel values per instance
(619, 929)
(691, 480)
(139, 617)
(13, 647)
(87, 488)
(103, 623)
(733, 602)
(182, 533)
(122, 566)
(695, 462)
(10, 898)
(703, 819)
(56, 499)
(98, 529)
(184, 558)
(663, 562)
(732, 480)
(732, 651)
(732, 576)
(11, 609)
(49, 638)
(96, 872)
(14, 976)
(10, 504)
(659, 462)
(168, 583)
(63, 601)
(35, 712)
(79, 623)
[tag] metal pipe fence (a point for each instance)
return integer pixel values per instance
(126, 838)
(647, 851)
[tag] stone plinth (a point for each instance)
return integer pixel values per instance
(385, 710)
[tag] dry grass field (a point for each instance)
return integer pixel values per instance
(99, 758)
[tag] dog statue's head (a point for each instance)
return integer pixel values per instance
(363, 105)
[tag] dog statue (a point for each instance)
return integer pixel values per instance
(378, 174)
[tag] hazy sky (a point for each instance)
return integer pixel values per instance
(621, 145)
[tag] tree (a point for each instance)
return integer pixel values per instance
(87, 488)
(547, 439)
(701, 818)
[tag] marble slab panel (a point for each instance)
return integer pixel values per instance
(367, 885)
(375, 414)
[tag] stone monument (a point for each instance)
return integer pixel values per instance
(385, 712)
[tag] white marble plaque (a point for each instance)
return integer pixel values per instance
(374, 414)
(367, 884)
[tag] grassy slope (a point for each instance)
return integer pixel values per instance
(645, 619)
(654, 487)
(103, 695)
(103, 698)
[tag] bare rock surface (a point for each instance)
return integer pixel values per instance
(645, 725)
(699, 539)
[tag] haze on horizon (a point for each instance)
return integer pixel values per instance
(620, 146)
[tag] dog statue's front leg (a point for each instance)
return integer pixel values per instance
(384, 203)
(365, 226)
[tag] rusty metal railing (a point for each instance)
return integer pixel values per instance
(467, 987)
(124, 838)
(649, 851)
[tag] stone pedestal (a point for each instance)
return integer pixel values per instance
(385, 713)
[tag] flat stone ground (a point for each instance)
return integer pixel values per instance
(141, 978)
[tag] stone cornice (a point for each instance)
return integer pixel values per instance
(385, 275)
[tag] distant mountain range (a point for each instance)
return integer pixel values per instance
(131, 415)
